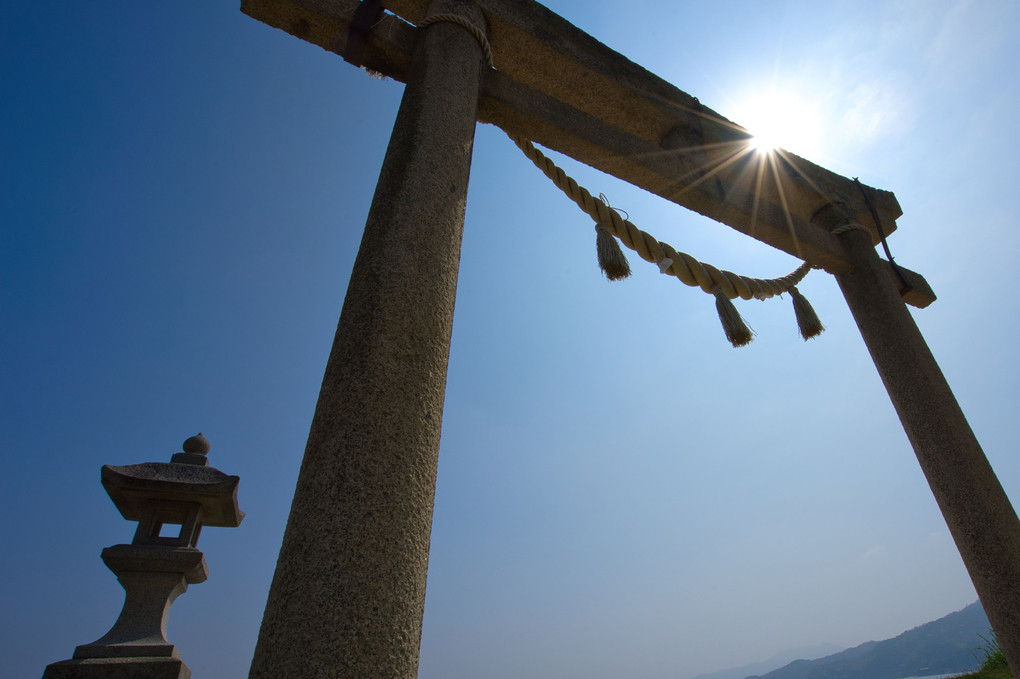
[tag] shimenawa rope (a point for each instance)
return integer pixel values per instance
(724, 285)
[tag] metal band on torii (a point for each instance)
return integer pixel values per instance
(364, 20)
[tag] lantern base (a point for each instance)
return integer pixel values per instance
(118, 668)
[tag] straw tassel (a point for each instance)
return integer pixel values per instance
(733, 325)
(611, 258)
(807, 319)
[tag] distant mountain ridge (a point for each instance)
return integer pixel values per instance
(775, 662)
(944, 646)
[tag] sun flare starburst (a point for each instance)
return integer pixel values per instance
(781, 121)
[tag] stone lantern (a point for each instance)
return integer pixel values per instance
(159, 564)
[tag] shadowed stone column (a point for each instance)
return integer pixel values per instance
(976, 509)
(348, 595)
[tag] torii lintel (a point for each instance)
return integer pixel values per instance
(563, 89)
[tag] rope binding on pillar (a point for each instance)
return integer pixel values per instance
(475, 31)
(723, 285)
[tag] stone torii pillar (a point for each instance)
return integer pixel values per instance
(348, 595)
(976, 508)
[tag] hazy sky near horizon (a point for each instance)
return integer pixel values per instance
(621, 493)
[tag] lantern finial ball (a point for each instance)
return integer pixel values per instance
(196, 445)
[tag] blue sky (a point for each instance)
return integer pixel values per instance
(621, 493)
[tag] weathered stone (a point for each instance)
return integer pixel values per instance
(133, 489)
(119, 668)
(347, 598)
(154, 569)
(978, 512)
(561, 88)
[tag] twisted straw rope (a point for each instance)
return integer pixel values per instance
(689, 270)
(852, 226)
(475, 31)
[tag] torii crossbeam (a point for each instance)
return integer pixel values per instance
(348, 594)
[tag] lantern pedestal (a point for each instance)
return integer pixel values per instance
(136, 646)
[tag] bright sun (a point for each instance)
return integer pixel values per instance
(780, 120)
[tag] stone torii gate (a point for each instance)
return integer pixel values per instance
(348, 594)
